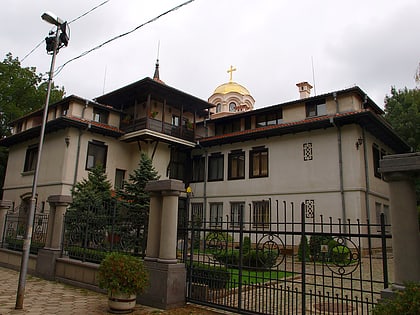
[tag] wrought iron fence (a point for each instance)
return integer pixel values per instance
(298, 264)
(89, 236)
(15, 229)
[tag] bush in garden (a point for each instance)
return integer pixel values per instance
(315, 245)
(303, 244)
(213, 276)
(405, 302)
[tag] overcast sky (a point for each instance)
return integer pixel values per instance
(274, 44)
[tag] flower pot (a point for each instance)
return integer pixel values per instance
(121, 303)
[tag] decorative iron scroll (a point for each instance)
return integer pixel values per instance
(274, 246)
(343, 257)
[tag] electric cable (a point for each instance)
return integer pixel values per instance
(80, 16)
(60, 68)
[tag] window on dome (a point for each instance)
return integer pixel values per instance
(218, 108)
(232, 106)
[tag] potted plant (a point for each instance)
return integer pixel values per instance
(123, 276)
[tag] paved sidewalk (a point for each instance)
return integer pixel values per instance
(50, 298)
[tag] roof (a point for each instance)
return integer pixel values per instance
(231, 87)
(139, 90)
(373, 123)
(62, 123)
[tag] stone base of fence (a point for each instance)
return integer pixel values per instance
(46, 260)
(167, 285)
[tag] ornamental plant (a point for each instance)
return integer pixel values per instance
(121, 273)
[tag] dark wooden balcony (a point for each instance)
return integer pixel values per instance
(181, 132)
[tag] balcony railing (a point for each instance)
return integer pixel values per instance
(181, 132)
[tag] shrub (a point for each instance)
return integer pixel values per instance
(339, 254)
(315, 245)
(246, 245)
(263, 259)
(213, 276)
(120, 273)
(405, 302)
(303, 244)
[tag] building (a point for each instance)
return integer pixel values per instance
(322, 150)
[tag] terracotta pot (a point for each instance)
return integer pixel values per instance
(121, 303)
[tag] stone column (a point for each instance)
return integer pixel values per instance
(45, 264)
(400, 171)
(167, 277)
(169, 225)
(153, 232)
(5, 205)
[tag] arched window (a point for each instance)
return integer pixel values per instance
(232, 106)
(218, 108)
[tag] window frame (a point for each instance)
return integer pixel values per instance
(237, 156)
(214, 220)
(31, 158)
(316, 108)
(218, 159)
(261, 214)
(237, 209)
(100, 146)
(121, 180)
(198, 168)
(254, 152)
(100, 115)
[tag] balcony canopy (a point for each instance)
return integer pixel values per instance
(139, 91)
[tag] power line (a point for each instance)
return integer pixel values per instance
(80, 16)
(60, 68)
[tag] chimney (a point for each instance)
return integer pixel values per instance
(304, 89)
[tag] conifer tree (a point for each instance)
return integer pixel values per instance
(136, 200)
(92, 194)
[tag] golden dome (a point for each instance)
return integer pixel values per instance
(231, 87)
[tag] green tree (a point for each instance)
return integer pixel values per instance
(22, 91)
(402, 111)
(91, 194)
(135, 200)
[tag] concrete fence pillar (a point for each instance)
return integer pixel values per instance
(400, 171)
(167, 277)
(45, 264)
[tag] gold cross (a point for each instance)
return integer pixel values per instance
(230, 71)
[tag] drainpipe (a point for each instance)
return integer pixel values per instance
(367, 182)
(78, 146)
(340, 164)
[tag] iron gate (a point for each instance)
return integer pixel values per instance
(299, 264)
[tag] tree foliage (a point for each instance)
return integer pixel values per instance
(92, 193)
(402, 111)
(134, 193)
(22, 91)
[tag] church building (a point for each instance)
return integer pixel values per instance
(322, 151)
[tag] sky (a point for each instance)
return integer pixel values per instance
(273, 44)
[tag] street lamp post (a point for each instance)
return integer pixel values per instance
(52, 19)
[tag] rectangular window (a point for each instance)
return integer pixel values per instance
(216, 214)
(119, 178)
(175, 120)
(198, 166)
(100, 116)
(216, 167)
(258, 162)
(261, 214)
(236, 165)
(376, 158)
(177, 168)
(197, 210)
(247, 123)
(236, 213)
(96, 154)
(307, 151)
(64, 110)
(316, 108)
(31, 158)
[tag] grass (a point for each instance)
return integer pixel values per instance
(255, 277)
